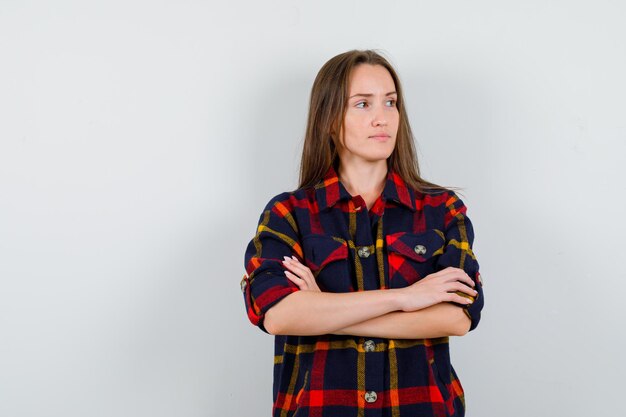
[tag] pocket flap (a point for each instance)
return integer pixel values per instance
(416, 246)
(319, 250)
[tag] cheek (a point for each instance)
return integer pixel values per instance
(350, 120)
(395, 121)
(352, 127)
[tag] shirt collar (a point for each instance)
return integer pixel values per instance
(329, 190)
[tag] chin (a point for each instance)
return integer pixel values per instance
(370, 153)
(377, 157)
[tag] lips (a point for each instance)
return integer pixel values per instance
(380, 136)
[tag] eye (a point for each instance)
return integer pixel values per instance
(358, 105)
(393, 102)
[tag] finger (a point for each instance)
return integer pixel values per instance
(296, 280)
(459, 274)
(293, 277)
(449, 273)
(303, 267)
(288, 264)
(307, 275)
(301, 270)
(467, 279)
(443, 273)
(450, 270)
(458, 286)
(293, 266)
(456, 298)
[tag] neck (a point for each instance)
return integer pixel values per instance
(363, 179)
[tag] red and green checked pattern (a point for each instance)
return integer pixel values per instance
(405, 236)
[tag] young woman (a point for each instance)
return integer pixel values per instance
(365, 270)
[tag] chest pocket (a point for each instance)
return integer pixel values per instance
(327, 258)
(412, 256)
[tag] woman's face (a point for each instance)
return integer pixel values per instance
(371, 121)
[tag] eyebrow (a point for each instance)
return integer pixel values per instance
(370, 95)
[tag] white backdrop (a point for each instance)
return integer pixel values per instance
(140, 140)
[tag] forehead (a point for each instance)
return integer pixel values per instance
(367, 78)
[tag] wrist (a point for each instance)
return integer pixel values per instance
(397, 298)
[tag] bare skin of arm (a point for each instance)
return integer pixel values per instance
(309, 313)
(439, 320)
(417, 311)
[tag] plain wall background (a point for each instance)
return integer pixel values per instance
(140, 140)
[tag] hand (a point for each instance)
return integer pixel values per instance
(439, 287)
(300, 274)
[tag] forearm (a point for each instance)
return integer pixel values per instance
(310, 313)
(439, 320)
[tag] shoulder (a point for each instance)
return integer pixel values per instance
(442, 198)
(287, 201)
(280, 198)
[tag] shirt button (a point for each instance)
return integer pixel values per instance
(369, 346)
(243, 284)
(420, 249)
(364, 251)
(370, 396)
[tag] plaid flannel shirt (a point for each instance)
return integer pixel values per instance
(405, 236)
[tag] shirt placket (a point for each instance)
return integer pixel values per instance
(371, 356)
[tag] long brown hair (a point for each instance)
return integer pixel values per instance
(327, 109)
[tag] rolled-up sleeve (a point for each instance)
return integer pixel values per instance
(458, 253)
(276, 236)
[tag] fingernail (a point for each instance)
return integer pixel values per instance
(286, 258)
(294, 258)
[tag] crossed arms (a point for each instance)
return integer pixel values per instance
(422, 310)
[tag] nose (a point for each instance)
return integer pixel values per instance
(379, 119)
